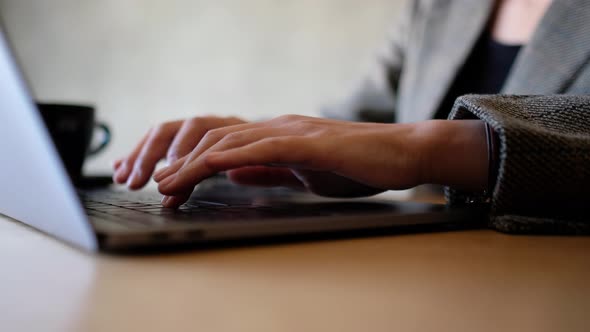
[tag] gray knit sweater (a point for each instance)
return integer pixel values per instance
(543, 183)
(543, 121)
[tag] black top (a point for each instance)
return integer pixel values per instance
(484, 72)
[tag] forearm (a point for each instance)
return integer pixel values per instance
(455, 153)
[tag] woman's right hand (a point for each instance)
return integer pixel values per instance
(170, 140)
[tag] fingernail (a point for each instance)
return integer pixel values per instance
(165, 200)
(159, 173)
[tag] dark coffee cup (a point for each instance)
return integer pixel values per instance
(72, 128)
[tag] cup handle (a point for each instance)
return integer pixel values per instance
(105, 141)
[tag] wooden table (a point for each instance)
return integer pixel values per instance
(458, 281)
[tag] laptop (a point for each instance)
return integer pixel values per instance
(36, 190)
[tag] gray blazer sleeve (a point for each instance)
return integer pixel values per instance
(373, 98)
(543, 183)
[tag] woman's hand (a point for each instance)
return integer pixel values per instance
(366, 155)
(170, 140)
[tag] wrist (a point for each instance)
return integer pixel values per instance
(454, 153)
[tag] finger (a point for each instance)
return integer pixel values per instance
(263, 176)
(237, 135)
(275, 150)
(153, 151)
(211, 138)
(176, 201)
(169, 170)
(117, 163)
(191, 133)
(214, 141)
(122, 173)
(237, 138)
(199, 172)
(290, 151)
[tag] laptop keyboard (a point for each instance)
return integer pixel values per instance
(143, 209)
(146, 210)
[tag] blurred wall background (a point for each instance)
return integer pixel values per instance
(142, 62)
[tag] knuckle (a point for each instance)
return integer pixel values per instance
(278, 141)
(303, 125)
(194, 122)
(213, 135)
(166, 127)
(160, 135)
(172, 155)
(233, 137)
(234, 119)
(289, 117)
